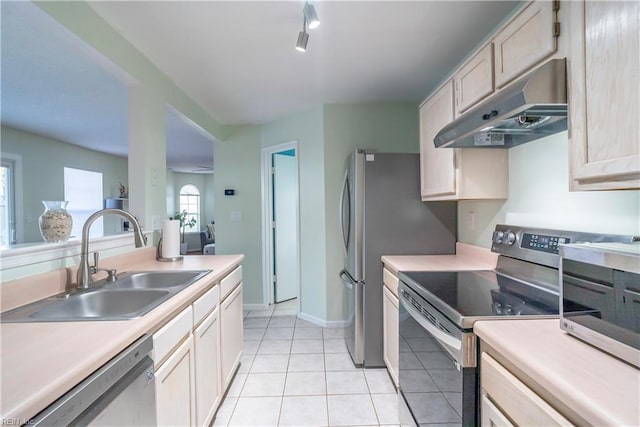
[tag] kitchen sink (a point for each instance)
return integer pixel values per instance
(103, 303)
(157, 279)
(131, 296)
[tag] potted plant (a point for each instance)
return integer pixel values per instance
(185, 221)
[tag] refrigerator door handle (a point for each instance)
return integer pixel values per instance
(345, 233)
(346, 280)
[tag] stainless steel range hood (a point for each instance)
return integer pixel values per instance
(531, 108)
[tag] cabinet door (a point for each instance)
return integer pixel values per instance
(525, 41)
(391, 339)
(231, 333)
(515, 399)
(474, 80)
(437, 167)
(175, 390)
(603, 95)
(490, 416)
(207, 358)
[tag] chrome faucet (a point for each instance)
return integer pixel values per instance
(84, 271)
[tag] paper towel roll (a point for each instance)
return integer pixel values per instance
(170, 238)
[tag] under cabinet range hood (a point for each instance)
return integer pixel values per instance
(533, 107)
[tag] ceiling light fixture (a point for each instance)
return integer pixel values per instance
(303, 37)
(311, 16)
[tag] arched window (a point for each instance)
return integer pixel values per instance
(190, 202)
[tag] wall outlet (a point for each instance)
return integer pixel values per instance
(155, 222)
(471, 221)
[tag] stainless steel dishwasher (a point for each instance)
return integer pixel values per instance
(120, 393)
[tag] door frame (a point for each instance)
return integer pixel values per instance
(267, 220)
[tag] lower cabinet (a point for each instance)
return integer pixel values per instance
(207, 363)
(231, 334)
(196, 354)
(508, 401)
(391, 338)
(175, 387)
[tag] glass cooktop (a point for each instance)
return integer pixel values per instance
(464, 296)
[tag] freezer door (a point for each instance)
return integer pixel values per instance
(351, 215)
(354, 309)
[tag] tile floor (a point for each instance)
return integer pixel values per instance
(294, 373)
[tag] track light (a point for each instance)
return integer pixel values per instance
(311, 16)
(303, 37)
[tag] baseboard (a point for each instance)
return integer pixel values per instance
(322, 322)
(249, 307)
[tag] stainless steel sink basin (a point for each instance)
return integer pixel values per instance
(157, 279)
(131, 296)
(103, 303)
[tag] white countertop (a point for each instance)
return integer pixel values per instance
(41, 361)
(467, 257)
(583, 383)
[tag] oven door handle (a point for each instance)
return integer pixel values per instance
(443, 337)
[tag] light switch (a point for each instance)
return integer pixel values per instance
(155, 222)
(471, 221)
(236, 216)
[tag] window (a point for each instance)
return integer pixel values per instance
(83, 191)
(7, 211)
(190, 202)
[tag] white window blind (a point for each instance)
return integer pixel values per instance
(83, 191)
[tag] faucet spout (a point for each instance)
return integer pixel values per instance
(84, 273)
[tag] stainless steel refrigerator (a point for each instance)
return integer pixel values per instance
(381, 213)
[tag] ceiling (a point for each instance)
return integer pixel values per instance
(234, 58)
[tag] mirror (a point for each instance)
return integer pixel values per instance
(63, 105)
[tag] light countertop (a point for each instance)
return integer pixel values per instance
(41, 361)
(467, 257)
(583, 383)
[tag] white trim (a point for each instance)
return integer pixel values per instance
(16, 159)
(254, 307)
(322, 322)
(27, 254)
(267, 219)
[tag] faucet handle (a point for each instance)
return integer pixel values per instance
(96, 257)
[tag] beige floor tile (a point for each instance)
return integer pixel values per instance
(275, 347)
(253, 334)
(346, 382)
(225, 411)
(236, 385)
(386, 406)
(263, 385)
(283, 322)
(307, 333)
(335, 345)
(246, 360)
(379, 381)
(305, 384)
(256, 322)
(278, 334)
(351, 410)
(303, 411)
(287, 312)
(339, 362)
(334, 332)
(313, 362)
(256, 411)
(269, 363)
(307, 346)
(251, 347)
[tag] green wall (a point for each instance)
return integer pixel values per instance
(307, 129)
(237, 166)
(43, 163)
(388, 127)
(539, 196)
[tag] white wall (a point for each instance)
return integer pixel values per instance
(539, 196)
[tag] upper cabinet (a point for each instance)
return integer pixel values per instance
(474, 80)
(604, 149)
(526, 40)
(456, 173)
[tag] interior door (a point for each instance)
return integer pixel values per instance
(285, 200)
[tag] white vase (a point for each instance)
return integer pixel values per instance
(55, 222)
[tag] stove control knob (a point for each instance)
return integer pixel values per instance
(497, 237)
(509, 238)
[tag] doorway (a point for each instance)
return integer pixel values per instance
(281, 230)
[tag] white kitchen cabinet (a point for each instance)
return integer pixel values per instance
(391, 337)
(604, 149)
(474, 81)
(175, 387)
(456, 173)
(207, 368)
(506, 400)
(231, 334)
(525, 41)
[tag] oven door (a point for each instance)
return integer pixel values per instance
(435, 385)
